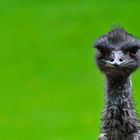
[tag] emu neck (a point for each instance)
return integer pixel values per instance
(120, 118)
(119, 87)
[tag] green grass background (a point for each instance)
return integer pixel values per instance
(50, 87)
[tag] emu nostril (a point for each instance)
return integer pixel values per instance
(112, 60)
(120, 59)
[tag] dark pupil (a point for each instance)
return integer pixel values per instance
(133, 50)
(103, 51)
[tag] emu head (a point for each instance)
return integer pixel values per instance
(118, 53)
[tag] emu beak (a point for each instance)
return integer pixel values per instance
(117, 59)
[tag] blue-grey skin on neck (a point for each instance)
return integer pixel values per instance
(118, 56)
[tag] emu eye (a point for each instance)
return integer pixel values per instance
(103, 50)
(132, 50)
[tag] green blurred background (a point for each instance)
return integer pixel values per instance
(50, 87)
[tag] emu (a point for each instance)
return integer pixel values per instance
(118, 56)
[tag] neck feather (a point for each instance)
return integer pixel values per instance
(120, 117)
(119, 86)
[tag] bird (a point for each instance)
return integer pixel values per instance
(118, 57)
